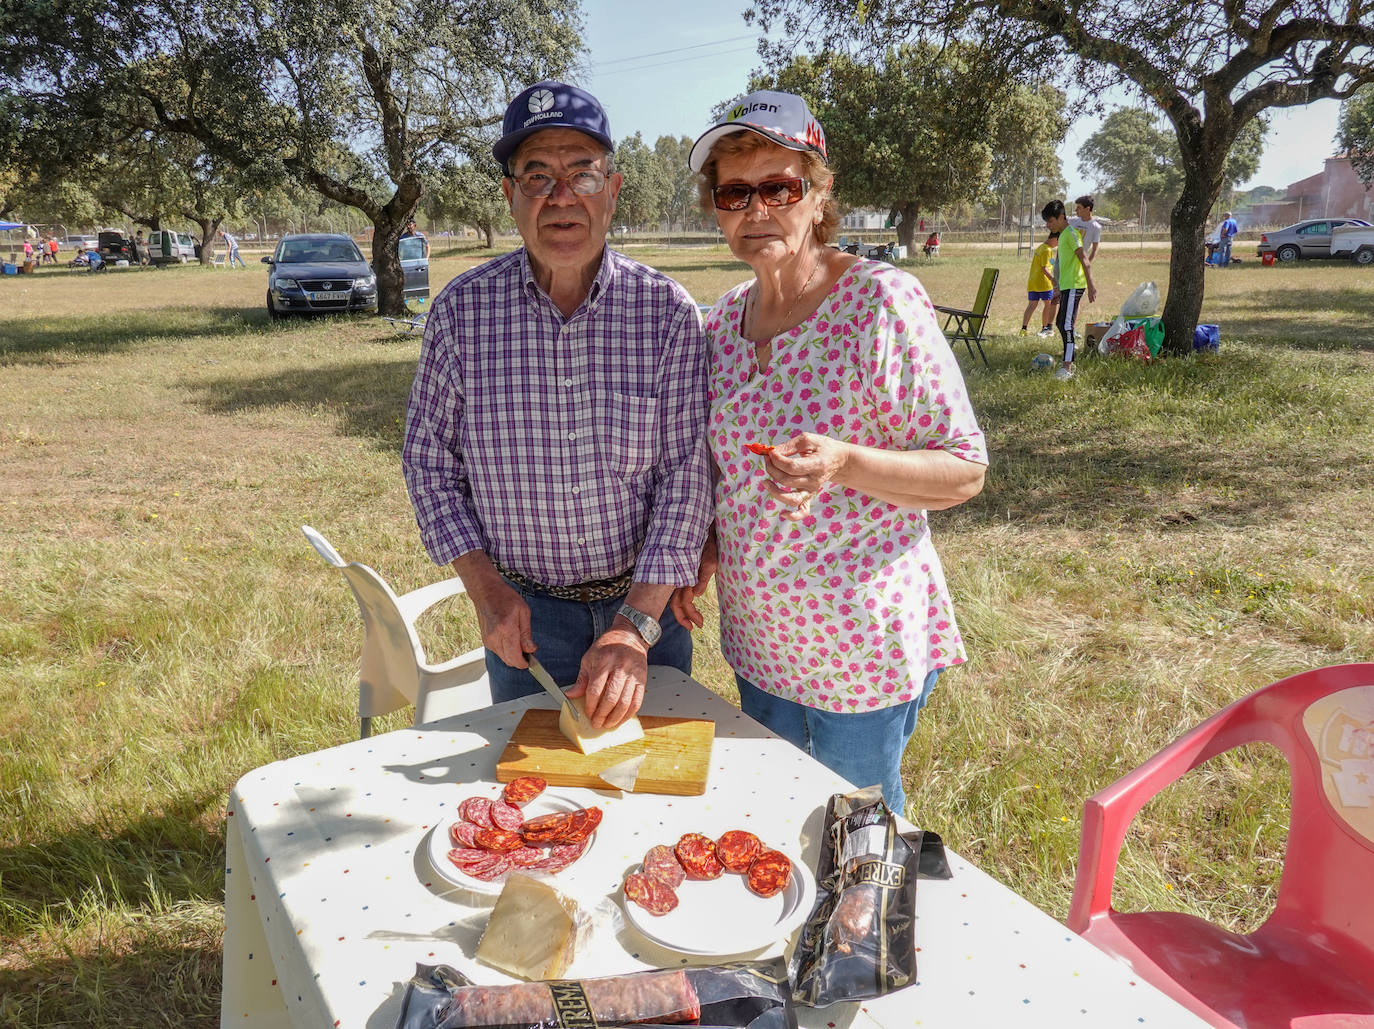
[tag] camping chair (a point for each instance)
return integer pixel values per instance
(970, 326)
(1311, 964)
(395, 671)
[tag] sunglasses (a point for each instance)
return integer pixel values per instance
(737, 196)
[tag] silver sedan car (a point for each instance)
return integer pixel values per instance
(1310, 238)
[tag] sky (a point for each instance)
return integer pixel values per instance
(658, 69)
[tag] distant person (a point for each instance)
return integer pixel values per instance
(141, 257)
(28, 251)
(1088, 226)
(1075, 278)
(1040, 287)
(413, 230)
(47, 251)
(932, 246)
(1226, 234)
(233, 245)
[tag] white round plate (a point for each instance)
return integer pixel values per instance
(545, 804)
(718, 917)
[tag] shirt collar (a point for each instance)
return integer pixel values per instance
(605, 275)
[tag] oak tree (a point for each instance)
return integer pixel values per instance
(1210, 66)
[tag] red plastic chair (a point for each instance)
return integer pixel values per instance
(1311, 964)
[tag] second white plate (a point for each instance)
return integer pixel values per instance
(723, 916)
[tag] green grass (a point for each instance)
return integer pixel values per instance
(1153, 542)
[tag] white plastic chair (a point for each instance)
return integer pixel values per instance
(395, 671)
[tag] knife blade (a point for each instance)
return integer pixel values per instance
(545, 680)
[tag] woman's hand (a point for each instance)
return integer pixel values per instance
(801, 468)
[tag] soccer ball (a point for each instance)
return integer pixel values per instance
(1042, 362)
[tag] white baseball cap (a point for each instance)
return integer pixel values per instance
(782, 118)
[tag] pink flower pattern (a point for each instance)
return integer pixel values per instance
(827, 612)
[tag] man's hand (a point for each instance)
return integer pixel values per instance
(502, 614)
(613, 675)
(684, 601)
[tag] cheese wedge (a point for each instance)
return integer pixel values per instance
(533, 931)
(589, 740)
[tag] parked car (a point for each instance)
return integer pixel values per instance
(1305, 239)
(115, 246)
(416, 267)
(80, 243)
(168, 247)
(320, 273)
(1355, 242)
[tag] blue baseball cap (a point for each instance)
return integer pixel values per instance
(551, 105)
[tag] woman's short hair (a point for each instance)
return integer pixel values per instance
(744, 142)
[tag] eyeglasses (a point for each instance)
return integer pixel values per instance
(585, 183)
(737, 196)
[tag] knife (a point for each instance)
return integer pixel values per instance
(545, 680)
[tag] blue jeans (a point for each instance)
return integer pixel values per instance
(234, 256)
(564, 630)
(865, 747)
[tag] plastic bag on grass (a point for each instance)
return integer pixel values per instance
(1143, 302)
(1107, 344)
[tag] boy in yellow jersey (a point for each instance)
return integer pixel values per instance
(1075, 279)
(1040, 287)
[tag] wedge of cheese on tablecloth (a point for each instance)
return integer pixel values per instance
(590, 740)
(533, 930)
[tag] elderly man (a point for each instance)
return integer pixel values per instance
(554, 447)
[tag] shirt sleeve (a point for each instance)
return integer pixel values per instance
(430, 454)
(914, 378)
(682, 482)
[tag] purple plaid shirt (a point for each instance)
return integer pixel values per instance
(567, 450)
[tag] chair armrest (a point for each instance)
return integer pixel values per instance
(418, 601)
(952, 310)
(476, 657)
(1108, 814)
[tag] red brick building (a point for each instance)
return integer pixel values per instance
(1336, 191)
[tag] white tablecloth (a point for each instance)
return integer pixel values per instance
(330, 898)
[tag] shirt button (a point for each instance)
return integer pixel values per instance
(576, 490)
(580, 541)
(567, 382)
(572, 435)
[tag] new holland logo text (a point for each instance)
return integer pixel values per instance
(570, 1006)
(740, 110)
(879, 873)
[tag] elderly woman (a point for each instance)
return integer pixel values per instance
(838, 418)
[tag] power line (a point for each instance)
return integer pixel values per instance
(675, 50)
(680, 60)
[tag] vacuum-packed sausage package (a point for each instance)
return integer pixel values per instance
(859, 941)
(752, 995)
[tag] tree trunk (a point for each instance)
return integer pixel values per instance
(906, 228)
(1187, 229)
(487, 229)
(208, 227)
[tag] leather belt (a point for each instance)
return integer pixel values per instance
(586, 592)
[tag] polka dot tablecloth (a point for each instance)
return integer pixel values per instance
(330, 898)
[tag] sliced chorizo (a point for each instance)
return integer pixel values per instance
(737, 849)
(520, 792)
(697, 854)
(546, 828)
(769, 873)
(499, 839)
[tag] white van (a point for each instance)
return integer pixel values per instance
(167, 247)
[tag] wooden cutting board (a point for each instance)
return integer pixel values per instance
(678, 755)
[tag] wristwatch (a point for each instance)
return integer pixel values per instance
(645, 625)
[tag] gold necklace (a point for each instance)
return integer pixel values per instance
(787, 317)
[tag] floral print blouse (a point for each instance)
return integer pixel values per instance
(848, 609)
